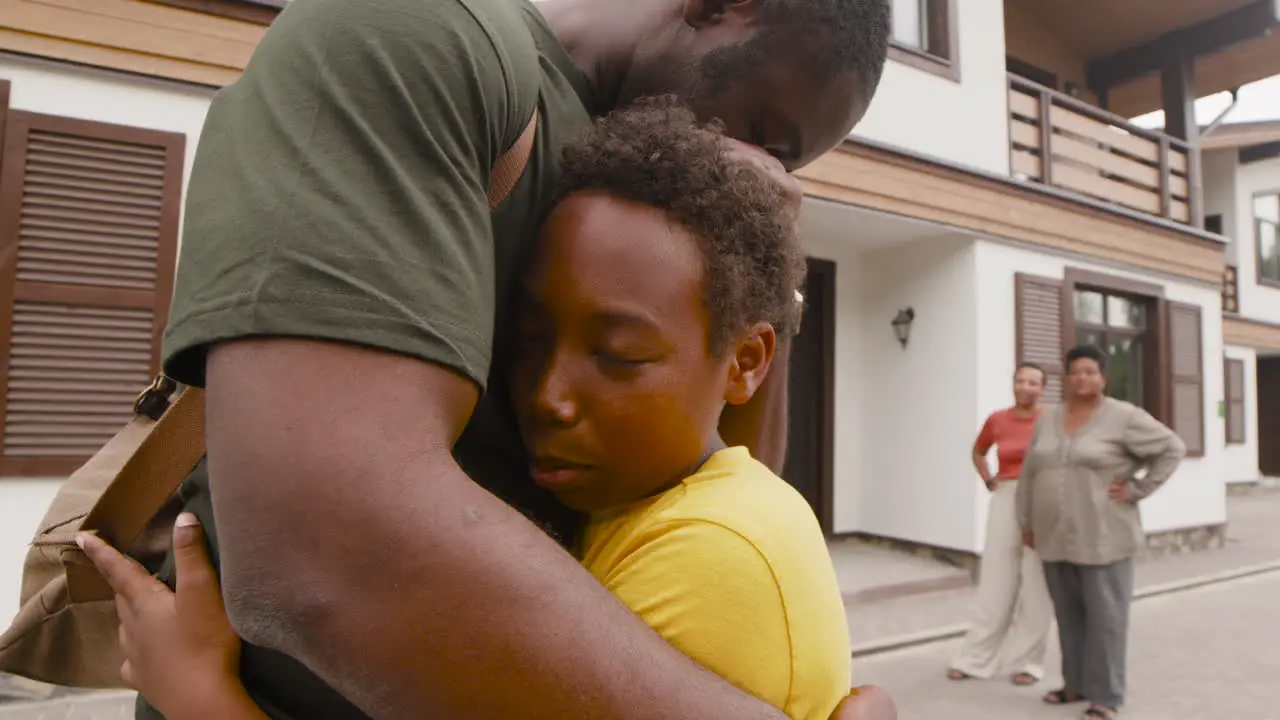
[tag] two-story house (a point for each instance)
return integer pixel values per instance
(995, 206)
(1242, 201)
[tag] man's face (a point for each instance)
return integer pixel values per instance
(615, 388)
(762, 96)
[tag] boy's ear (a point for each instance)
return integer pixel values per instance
(751, 356)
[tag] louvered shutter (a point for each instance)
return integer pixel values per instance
(1187, 376)
(1038, 310)
(88, 227)
(1234, 392)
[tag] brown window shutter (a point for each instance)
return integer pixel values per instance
(1186, 376)
(1234, 392)
(1038, 319)
(88, 240)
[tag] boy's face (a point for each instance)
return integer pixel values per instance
(615, 387)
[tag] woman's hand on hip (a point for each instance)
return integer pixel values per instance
(1119, 490)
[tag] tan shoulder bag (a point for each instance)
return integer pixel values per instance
(66, 630)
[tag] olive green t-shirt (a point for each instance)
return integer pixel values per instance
(339, 193)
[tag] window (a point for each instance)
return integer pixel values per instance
(1234, 400)
(1155, 346)
(924, 36)
(1266, 224)
(1118, 325)
(90, 213)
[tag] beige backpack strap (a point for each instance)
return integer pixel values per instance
(511, 163)
(156, 460)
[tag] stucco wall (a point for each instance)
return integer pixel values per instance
(964, 122)
(1256, 301)
(1219, 180)
(905, 417)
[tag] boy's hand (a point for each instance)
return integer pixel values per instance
(180, 651)
(868, 702)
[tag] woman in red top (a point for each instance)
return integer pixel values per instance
(1011, 624)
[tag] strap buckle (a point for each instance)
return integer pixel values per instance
(154, 401)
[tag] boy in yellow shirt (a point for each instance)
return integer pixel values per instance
(659, 289)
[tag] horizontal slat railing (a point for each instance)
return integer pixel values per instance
(1058, 140)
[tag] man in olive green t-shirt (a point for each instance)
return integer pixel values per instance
(342, 294)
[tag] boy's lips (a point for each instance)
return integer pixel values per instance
(553, 473)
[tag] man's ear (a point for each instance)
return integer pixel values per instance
(701, 13)
(751, 357)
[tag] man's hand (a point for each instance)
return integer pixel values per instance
(1119, 490)
(772, 168)
(180, 651)
(868, 702)
(1029, 539)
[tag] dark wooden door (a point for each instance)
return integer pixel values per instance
(809, 464)
(1269, 416)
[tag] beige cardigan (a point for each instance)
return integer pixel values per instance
(1062, 492)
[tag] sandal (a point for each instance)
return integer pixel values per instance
(1061, 697)
(954, 674)
(1099, 712)
(1024, 679)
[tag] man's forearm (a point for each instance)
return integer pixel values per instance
(371, 558)
(761, 423)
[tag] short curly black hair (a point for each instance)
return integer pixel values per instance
(656, 153)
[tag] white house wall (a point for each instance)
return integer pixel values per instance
(1195, 496)
(964, 122)
(75, 92)
(1219, 179)
(1240, 461)
(905, 417)
(1256, 301)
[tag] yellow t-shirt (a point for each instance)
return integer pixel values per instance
(731, 567)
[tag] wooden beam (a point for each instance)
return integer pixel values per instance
(1255, 20)
(1178, 89)
(1258, 153)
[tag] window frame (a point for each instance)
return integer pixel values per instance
(1263, 280)
(1156, 371)
(1241, 434)
(941, 57)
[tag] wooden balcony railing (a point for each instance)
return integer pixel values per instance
(1060, 141)
(1230, 290)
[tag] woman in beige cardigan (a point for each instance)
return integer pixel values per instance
(1077, 506)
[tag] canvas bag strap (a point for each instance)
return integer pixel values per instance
(168, 451)
(510, 164)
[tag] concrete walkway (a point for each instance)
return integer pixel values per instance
(877, 624)
(1203, 654)
(1253, 541)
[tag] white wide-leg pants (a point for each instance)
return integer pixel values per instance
(1011, 621)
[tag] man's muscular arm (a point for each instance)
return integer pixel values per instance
(352, 541)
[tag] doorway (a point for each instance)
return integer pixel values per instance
(810, 459)
(1269, 415)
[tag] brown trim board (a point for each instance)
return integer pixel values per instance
(1250, 333)
(135, 36)
(880, 177)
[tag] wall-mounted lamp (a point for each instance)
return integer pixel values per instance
(902, 325)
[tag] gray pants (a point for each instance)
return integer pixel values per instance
(1091, 603)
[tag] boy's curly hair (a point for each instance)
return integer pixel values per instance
(655, 152)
